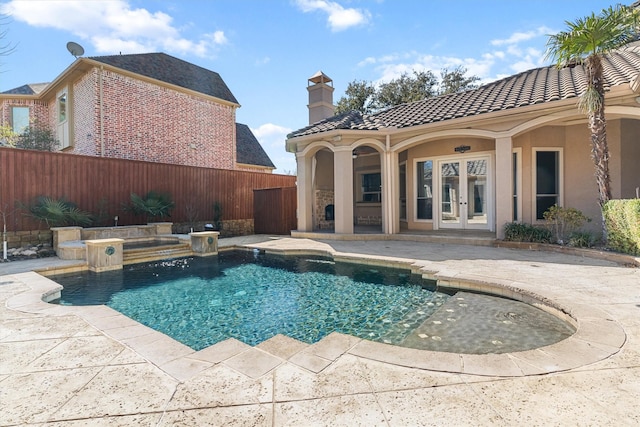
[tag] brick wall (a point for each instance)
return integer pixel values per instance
(145, 121)
(38, 110)
(86, 116)
(142, 121)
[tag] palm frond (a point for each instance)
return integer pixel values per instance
(594, 34)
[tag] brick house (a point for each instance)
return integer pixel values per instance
(150, 107)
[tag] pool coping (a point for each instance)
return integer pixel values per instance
(597, 337)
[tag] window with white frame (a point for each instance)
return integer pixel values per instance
(62, 128)
(548, 177)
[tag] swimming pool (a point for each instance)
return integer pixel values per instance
(251, 296)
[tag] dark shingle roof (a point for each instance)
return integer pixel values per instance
(248, 149)
(166, 68)
(29, 89)
(531, 87)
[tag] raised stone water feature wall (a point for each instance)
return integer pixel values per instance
(104, 247)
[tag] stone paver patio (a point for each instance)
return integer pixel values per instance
(67, 366)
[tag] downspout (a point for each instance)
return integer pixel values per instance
(100, 83)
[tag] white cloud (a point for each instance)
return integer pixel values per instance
(272, 138)
(113, 26)
(339, 18)
(367, 61)
(412, 61)
(519, 37)
(263, 61)
(271, 134)
(218, 37)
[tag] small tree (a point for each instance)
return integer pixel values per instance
(6, 48)
(366, 98)
(217, 215)
(37, 136)
(152, 205)
(405, 89)
(585, 42)
(8, 137)
(358, 96)
(57, 212)
(456, 81)
(564, 222)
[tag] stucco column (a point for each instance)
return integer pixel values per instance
(504, 184)
(343, 189)
(390, 190)
(305, 192)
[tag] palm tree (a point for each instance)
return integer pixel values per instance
(585, 42)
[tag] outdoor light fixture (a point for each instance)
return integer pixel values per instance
(462, 148)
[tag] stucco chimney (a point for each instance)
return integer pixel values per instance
(320, 97)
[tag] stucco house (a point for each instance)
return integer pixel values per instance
(476, 160)
(151, 107)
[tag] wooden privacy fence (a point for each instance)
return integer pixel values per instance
(274, 210)
(103, 185)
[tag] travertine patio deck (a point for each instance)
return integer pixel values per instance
(93, 366)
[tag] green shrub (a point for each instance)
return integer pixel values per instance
(622, 219)
(37, 136)
(563, 222)
(57, 212)
(521, 232)
(217, 215)
(152, 205)
(582, 239)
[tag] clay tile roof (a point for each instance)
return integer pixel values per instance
(537, 86)
(168, 69)
(248, 149)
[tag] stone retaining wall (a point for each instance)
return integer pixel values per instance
(21, 239)
(230, 228)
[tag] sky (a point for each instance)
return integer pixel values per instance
(266, 50)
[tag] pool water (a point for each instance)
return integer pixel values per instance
(252, 297)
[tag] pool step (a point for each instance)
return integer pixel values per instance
(133, 256)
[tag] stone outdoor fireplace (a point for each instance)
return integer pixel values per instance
(324, 212)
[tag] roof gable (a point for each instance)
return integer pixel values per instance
(248, 149)
(169, 69)
(28, 89)
(537, 86)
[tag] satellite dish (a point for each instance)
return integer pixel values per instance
(75, 49)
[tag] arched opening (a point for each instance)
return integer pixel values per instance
(323, 190)
(367, 190)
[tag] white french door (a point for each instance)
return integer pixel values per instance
(465, 196)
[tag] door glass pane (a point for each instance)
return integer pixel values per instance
(477, 192)
(450, 208)
(424, 173)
